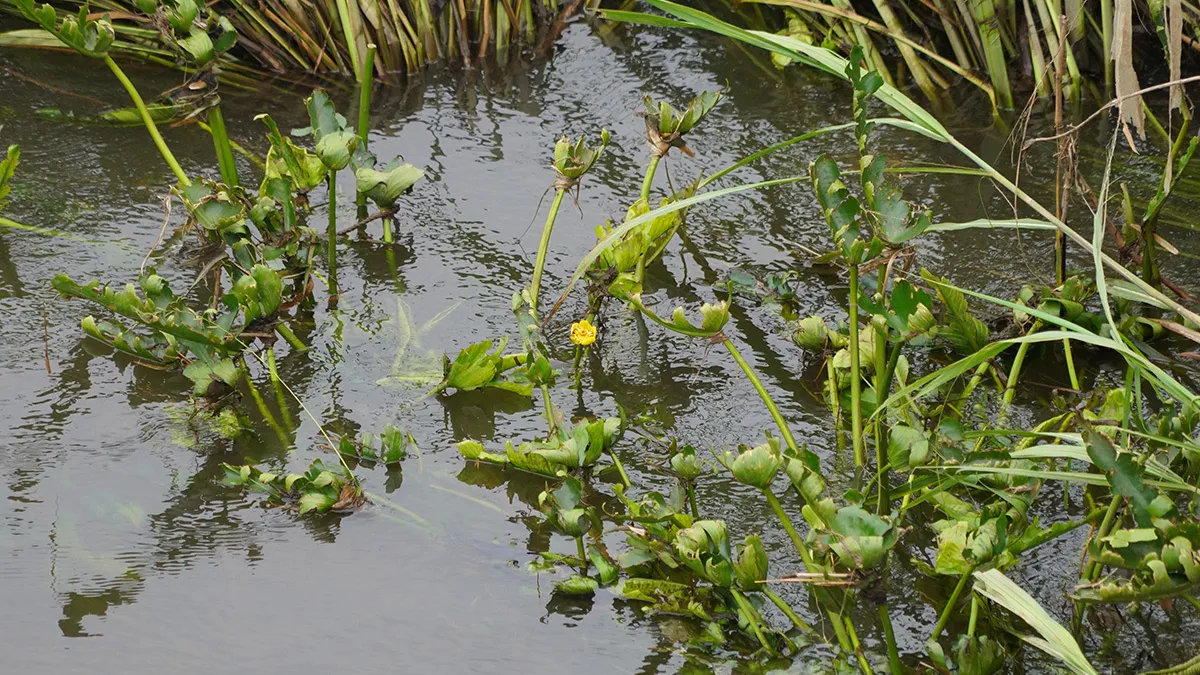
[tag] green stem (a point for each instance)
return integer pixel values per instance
(150, 126)
(949, 608)
(787, 610)
(748, 610)
(387, 230)
(1110, 516)
(858, 652)
(974, 615)
(1070, 364)
(797, 541)
(882, 386)
(766, 397)
(855, 380)
(277, 384)
(691, 495)
(264, 411)
(331, 236)
(612, 452)
(543, 246)
(649, 179)
(583, 560)
(1014, 372)
(216, 124)
(364, 114)
(889, 635)
(289, 337)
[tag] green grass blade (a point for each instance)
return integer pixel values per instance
(1055, 640)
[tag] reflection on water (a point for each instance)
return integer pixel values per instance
(118, 527)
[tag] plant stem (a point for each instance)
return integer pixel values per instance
(974, 615)
(264, 410)
(146, 119)
(649, 179)
(949, 608)
(612, 452)
(766, 397)
(889, 635)
(1014, 373)
(855, 380)
(787, 610)
(748, 610)
(387, 230)
(543, 246)
(1070, 364)
(862, 658)
(797, 541)
(289, 337)
(691, 495)
(882, 387)
(1110, 516)
(216, 124)
(277, 384)
(364, 114)
(331, 237)
(583, 561)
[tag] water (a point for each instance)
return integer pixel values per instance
(118, 532)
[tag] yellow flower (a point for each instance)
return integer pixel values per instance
(583, 333)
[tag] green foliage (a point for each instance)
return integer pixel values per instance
(8, 167)
(89, 37)
(389, 447)
(387, 186)
(321, 488)
(477, 366)
(666, 127)
(573, 160)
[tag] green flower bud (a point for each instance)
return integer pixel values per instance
(756, 466)
(751, 566)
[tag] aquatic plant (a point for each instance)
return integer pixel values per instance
(325, 39)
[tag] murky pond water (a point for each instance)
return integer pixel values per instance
(118, 532)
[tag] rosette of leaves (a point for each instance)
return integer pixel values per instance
(192, 27)
(978, 655)
(687, 464)
(965, 333)
(321, 488)
(335, 143)
(969, 540)
(858, 539)
(581, 447)
(757, 466)
(666, 126)
(573, 160)
(1161, 554)
(8, 167)
(1067, 301)
(644, 243)
(478, 366)
(88, 36)
(751, 566)
(564, 510)
(653, 521)
(385, 186)
(286, 160)
(389, 447)
(704, 549)
(180, 335)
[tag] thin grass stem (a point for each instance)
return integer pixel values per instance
(543, 246)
